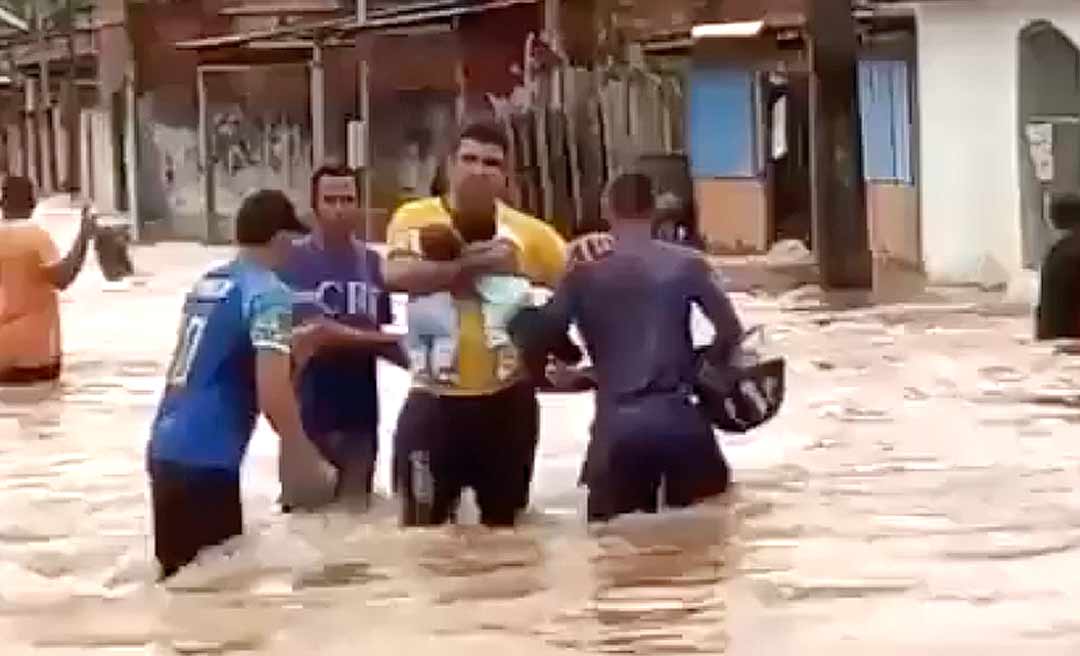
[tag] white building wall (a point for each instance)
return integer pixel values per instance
(969, 127)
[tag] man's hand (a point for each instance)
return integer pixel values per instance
(589, 248)
(87, 222)
(490, 257)
(322, 332)
(308, 480)
(440, 243)
(312, 336)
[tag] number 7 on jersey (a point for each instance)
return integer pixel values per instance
(187, 347)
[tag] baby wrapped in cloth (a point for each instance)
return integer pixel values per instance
(433, 321)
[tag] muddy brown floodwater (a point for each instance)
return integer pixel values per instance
(916, 496)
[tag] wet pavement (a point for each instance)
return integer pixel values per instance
(916, 496)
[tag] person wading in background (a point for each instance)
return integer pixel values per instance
(32, 274)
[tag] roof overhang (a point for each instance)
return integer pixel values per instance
(386, 20)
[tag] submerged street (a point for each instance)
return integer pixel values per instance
(917, 495)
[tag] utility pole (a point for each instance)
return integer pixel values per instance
(71, 106)
(318, 106)
(840, 231)
(365, 110)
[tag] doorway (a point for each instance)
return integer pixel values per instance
(786, 128)
(1049, 98)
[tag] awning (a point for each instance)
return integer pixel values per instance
(13, 20)
(378, 19)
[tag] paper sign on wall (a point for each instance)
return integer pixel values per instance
(1040, 137)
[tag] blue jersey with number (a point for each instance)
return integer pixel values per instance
(208, 411)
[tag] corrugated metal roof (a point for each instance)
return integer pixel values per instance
(11, 19)
(283, 8)
(384, 17)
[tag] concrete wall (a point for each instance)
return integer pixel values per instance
(893, 214)
(733, 214)
(968, 109)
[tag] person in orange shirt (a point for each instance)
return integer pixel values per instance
(32, 274)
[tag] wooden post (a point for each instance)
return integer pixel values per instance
(30, 111)
(840, 231)
(71, 107)
(365, 111)
(43, 125)
(206, 157)
(86, 166)
(131, 149)
(318, 108)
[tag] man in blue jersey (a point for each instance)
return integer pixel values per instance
(340, 301)
(633, 305)
(232, 360)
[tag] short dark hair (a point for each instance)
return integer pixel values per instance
(264, 214)
(332, 171)
(17, 197)
(489, 133)
(631, 195)
(1065, 211)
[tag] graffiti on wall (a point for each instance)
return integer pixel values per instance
(258, 152)
(247, 154)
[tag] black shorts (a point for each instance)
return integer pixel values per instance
(629, 463)
(30, 375)
(194, 508)
(444, 444)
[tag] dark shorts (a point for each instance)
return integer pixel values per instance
(660, 451)
(445, 444)
(193, 508)
(30, 375)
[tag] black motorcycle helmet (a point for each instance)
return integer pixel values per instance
(738, 397)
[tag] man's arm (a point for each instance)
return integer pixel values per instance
(308, 480)
(63, 272)
(708, 292)
(277, 399)
(323, 333)
(408, 272)
(270, 331)
(541, 329)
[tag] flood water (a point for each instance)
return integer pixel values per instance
(916, 496)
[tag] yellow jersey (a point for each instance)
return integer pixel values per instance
(481, 365)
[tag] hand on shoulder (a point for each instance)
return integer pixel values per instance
(589, 248)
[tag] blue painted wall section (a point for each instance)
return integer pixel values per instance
(884, 95)
(721, 123)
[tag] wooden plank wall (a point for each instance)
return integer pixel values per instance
(564, 153)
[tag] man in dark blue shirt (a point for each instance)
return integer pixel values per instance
(340, 304)
(233, 359)
(633, 309)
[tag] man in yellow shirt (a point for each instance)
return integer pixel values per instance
(472, 418)
(31, 276)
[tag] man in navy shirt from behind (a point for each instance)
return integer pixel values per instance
(339, 305)
(633, 306)
(233, 359)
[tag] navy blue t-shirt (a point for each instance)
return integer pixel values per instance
(633, 309)
(337, 389)
(207, 414)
